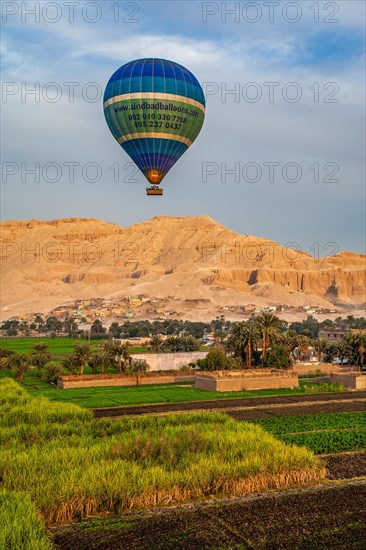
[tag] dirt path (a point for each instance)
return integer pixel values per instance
(254, 407)
(324, 517)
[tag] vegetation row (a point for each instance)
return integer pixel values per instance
(72, 465)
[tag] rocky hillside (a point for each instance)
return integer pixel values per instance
(45, 264)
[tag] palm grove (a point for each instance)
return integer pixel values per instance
(263, 341)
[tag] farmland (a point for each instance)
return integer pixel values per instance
(62, 463)
(85, 466)
(314, 422)
(58, 347)
(116, 396)
(296, 519)
(322, 433)
(20, 525)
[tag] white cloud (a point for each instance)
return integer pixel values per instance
(305, 132)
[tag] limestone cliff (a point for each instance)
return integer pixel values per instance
(45, 263)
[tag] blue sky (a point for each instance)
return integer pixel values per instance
(323, 62)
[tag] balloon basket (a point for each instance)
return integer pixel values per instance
(154, 191)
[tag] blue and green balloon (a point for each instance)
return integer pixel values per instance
(155, 110)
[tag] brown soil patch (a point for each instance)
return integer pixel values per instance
(323, 517)
(346, 465)
(319, 408)
(338, 402)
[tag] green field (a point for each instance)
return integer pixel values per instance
(312, 422)
(58, 463)
(321, 433)
(114, 396)
(120, 396)
(72, 465)
(59, 347)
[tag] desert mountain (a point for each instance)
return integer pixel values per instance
(47, 263)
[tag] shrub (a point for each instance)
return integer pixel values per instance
(180, 344)
(277, 357)
(185, 368)
(323, 387)
(217, 360)
(52, 371)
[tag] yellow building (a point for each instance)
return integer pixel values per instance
(135, 302)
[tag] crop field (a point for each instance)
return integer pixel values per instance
(71, 465)
(57, 346)
(322, 433)
(21, 527)
(117, 396)
(326, 518)
(59, 464)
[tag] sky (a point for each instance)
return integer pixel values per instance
(281, 154)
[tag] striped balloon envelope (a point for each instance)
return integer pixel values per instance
(155, 110)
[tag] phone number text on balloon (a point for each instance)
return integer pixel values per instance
(157, 124)
(157, 116)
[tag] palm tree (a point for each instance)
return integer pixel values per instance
(19, 363)
(139, 366)
(94, 364)
(344, 350)
(118, 356)
(41, 347)
(39, 357)
(53, 371)
(156, 343)
(107, 345)
(320, 345)
(123, 356)
(102, 359)
(290, 341)
(331, 352)
(268, 326)
(110, 348)
(4, 357)
(243, 339)
(70, 364)
(303, 344)
(358, 342)
(82, 354)
(361, 338)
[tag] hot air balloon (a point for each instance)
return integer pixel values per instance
(155, 110)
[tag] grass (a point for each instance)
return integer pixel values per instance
(72, 466)
(20, 525)
(321, 433)
(58, 347)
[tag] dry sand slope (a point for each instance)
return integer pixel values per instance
(45, 264)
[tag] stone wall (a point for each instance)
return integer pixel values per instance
(90, 381)
(169, 361)
(326, 368)
(244, 380)
(310, 368)
(350, 381)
